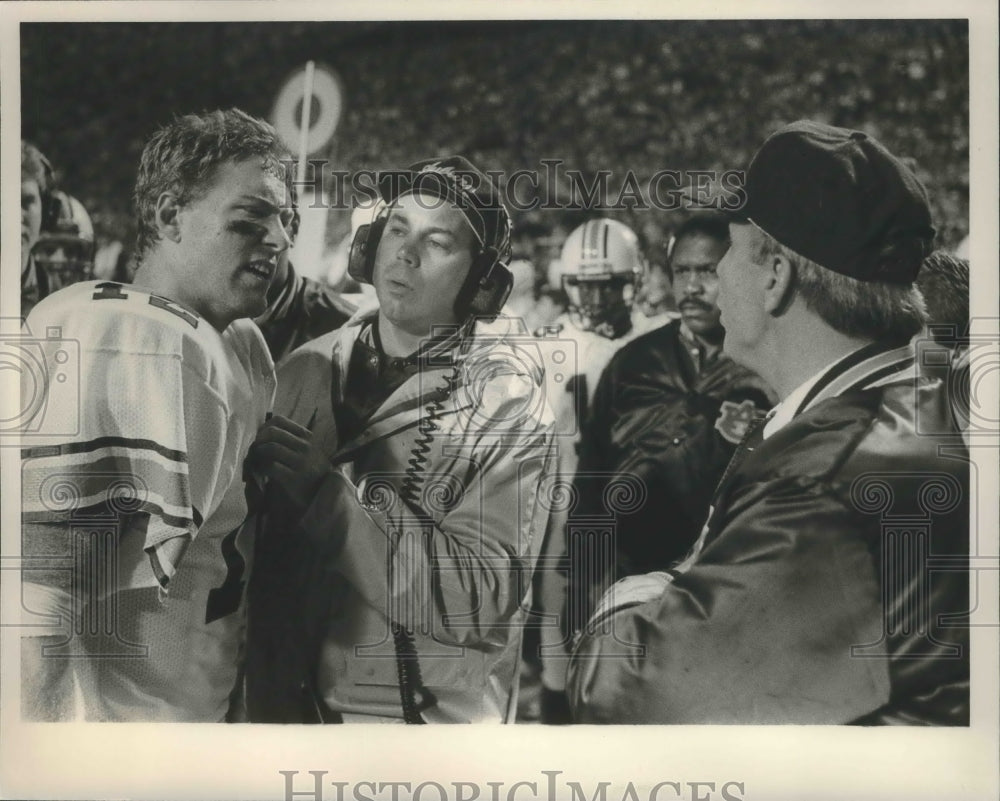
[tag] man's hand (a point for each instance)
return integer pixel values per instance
(288, 455)
(630, 591)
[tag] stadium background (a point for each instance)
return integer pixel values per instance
(599, 95)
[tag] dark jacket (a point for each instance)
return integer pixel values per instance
(662, 430)
(305, 309)
(831, 585)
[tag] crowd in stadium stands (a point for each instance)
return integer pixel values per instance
(677, 532)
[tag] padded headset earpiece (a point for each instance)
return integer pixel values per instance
(483, 293)
(486, 288)
(361, 261)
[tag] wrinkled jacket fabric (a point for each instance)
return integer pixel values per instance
(654, 417)
(304, 309)
(650, 457)
(831, 584)
(325, 587)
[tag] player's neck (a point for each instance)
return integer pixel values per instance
(155, 276)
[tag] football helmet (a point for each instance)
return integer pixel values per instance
(600, 267)
(65, 249)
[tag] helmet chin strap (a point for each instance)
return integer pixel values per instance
(606, 330)
(616, 327)
(611, 326)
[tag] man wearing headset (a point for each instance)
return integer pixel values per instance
(404, 470)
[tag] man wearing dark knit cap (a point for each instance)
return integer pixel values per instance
(830, 583)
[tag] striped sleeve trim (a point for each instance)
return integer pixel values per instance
(64, 483)
(101, 443)
(187, 524)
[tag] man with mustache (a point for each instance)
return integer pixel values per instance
(667, 413)
(669, 409)
(830, 582)
(132, 470)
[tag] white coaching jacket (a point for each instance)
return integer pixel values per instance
(448, 551)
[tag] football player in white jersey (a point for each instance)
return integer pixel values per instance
(133, 489)
(599, 270)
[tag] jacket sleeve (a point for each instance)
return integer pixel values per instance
(464, 568)
(663, 437)
(759, 629)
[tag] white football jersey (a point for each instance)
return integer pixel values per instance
(133, 498)
(588, 354)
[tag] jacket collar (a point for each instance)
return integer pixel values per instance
(871, 365)
(404, 407)
(875, 364)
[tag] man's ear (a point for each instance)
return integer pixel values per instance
(168, 216)
(779, 282)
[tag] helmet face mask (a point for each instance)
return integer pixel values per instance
(600, 268)
(65, 249)
(602, 304)
(64, 262)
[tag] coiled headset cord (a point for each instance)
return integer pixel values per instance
(407, 663)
